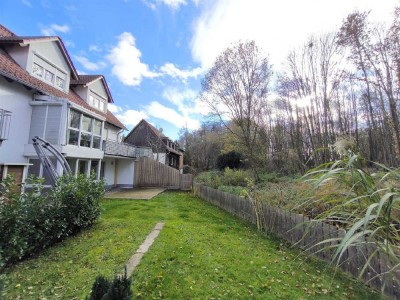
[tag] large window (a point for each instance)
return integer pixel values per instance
(84, 130)
(85, 166)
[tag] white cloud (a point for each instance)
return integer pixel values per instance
(130, 117)
(69, 43)
(173, 71)
(53, 29)
(276, 26)
(87, 64)
(27, 3)
(114, 108)
(94, 48)
(173, 4)
(125, 59)
(157, 110)
(183, 99)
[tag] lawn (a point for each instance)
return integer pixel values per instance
(202, 253)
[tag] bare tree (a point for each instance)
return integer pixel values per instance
(236, 90)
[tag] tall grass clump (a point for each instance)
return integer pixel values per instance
(365, 202)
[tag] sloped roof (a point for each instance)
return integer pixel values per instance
(152, 128)
(155, 130)
(5, 31)
(86, 80)
(159, 135)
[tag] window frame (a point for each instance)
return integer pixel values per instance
(81, 131)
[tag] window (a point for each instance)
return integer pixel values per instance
(60, 83)
(91, 100)
(49, 76)
(36, 169)
(94, 167)
(83, 166)
(97, 102)
(102, 169)
(84, 130)
(37, 70)
(86, 123)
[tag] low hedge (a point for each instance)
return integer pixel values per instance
(36, 219)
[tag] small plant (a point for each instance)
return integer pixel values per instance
(118, 289)
(100, 287)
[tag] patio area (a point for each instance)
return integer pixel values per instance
(134, 193)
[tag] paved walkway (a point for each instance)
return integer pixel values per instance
(136, 193)
(136, 258)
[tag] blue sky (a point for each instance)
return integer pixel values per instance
(154, 53)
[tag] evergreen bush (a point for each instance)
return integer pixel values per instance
(100, 287)
(232, 160)
(118, 289)
(34, 220)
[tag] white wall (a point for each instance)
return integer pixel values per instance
(15, 98)
(98, 88)
(126, 168)
(161, 157)
(109, 170)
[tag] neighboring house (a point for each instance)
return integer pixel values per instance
(164, 149)
(43, 95)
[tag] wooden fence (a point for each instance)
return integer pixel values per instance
(151, 173)
(304, 233)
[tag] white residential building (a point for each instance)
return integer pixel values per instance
(42, 95)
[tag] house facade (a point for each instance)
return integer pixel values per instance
(164, 149)
(41, 94)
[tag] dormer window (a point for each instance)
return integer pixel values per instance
(97, 102)
(48, 72)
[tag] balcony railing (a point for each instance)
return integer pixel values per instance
(126, 150)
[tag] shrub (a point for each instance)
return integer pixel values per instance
(210, 178)
(118, 289)
(100, 287)
(232, 160)
(235, 177)
(235, 190)
(35, 220)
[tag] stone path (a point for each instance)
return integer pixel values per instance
(144, 247)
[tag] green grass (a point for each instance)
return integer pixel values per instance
(202, 253)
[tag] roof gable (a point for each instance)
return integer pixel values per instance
(26, 40)
(87, 80)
